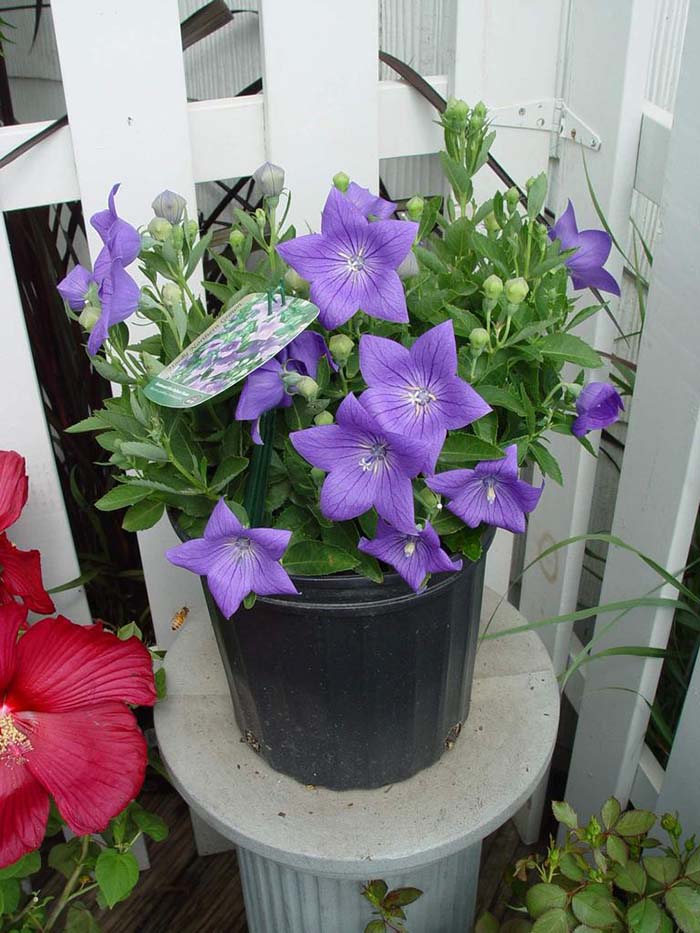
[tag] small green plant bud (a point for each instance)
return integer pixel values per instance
(88, 317)
(669, 822)
(493, 287)
(191, 230)
(414, 208)
(516, 290)
(324, 417)
(317, 475)
(152, 364)
(169, 206)
(260, 218)
(293, 282)
(270, 179)
(529, 183)
(512, 198)
(341, 181)
(479, 338)
(491, 223)
(457, 112)
(573, 389)
(177, 236)
(479, 114)
(236, 239)
(690, 844)
(160, 229)
(341, 347)
(307, 387)
(171, 295)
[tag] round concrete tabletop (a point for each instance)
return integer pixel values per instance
(498, 760)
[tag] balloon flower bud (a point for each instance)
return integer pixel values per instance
(177, 236)
(169, 206)
(457, 113)
(324, 417)
(414, 208)
(160, 229)
(293, 282)
(479, 338)
(270, 179)
(171, 295)
(512, 198)
(491, 223)
(516, 290)
(308, 387)
(260, 218)
(493, 286)
(341, 181)
(236, 239)
(191, 230)
(529, 183)
(341, 347)
(317, 475)
(88, 317)
(573, 389)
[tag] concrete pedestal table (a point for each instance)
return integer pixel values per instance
(303, 851)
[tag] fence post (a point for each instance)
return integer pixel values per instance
(660, 483)
(44, 522)
(124, 131)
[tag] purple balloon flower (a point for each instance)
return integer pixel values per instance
(117, 291)
(235, 560)
(371, 205)
(592, 249)
(413, 556)
(417, 392)
(598, 405)
(366, 464)
(352, 263)
(264, 388)
(491, 493)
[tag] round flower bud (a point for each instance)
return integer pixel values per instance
(408, 266)
(324, 417)
(414, 208)
(308, 387)
(317, 475)
(341, 347)
(516, 290)
(529, 183)
(160, 229)
(260, 218)
(177, 236)
(191, 229)
(171, 295)
(573, 389)
(270, 179)
(88, 317)
(341, 181)
(491, 223)
(478, 116)
(479, 338)
(492, 287)
(457, 112)
(512, 198)
(169, 206)
(236, 239)
(293, 282)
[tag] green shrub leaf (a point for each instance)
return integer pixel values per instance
(542, 897)
(631, 877)
(593, 906)
(684, 904)
(611, 812)
(635, 823)
(312, 558)
(564, 813)
(117, 874)
(554, 921)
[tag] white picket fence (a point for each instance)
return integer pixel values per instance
(540, 65)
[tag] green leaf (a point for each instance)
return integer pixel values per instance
(400, 897)
(487, 923)
(631, 877)
(144, 450)
(93, 423)
(458, 237)
(617, 850)
(501, 397)
(117, 874)
(198, 251)
(10, 891)
(23, 867)
(542, 897)
(692, 869)
(312, 558)
(226, 471)
(568, 348)
(121, 496)
(110, 372)
(565, 813)
(375, 926)
(683, 903)
(593, 906)
(644, 917)
(635, 823)
(546, 462)
(375, 891)
(81, 920)
(460, 448)
(570, 868)
(130, 630)
(456, 174)
(430, 260)
(662, 868)
(160, 680)
(143, 515)
(536, 195)
(150, 824)
(64, 856)
(611, 812)
(554, 921)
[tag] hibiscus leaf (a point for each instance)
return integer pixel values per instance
(117, 874)
(23, 867)
(312, 558)
(81, 920)
(149, 823)
(9, 895)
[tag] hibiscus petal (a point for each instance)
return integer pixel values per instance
(63, 666)
(12, 617)
(92, 761)
(24, 811)
(384, 362)
(21, 576)
(13, 487)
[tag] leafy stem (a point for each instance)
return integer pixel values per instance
(69, 886)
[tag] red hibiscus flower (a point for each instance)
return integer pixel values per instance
(65, 727)
(20, 571)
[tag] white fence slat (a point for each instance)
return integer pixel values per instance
(660, 482)
(321, 96)
(123, 130)
(44, 175)
(653, 151)
(44, 522)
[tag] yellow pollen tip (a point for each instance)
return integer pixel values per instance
(13, 743)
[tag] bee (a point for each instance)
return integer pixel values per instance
(178, 620)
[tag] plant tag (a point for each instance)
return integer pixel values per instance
(239, 342)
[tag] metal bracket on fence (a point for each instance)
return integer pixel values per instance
(550, 115)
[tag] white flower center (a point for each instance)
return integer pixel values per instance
(421, 397)
(490, 485)
(375, 458)
(355, 261)
(241, 547)
(409, 547)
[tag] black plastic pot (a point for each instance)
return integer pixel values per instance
(354, 684)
